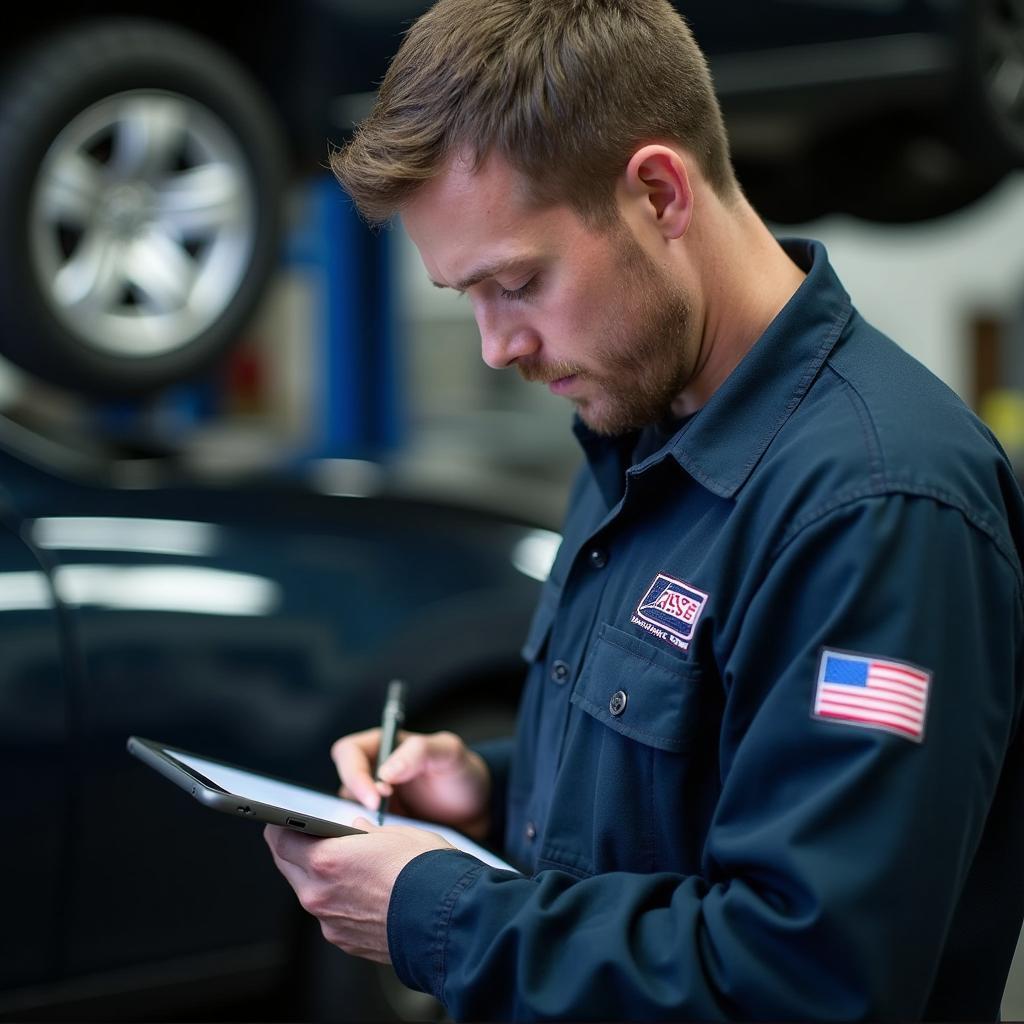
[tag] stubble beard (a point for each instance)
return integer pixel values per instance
(646, 361)
(645, 353)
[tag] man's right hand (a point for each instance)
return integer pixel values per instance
(433, 777)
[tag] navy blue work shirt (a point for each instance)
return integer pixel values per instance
(769, 758)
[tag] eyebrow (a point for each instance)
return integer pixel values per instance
(486, 270)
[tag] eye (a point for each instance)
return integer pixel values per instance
(519, 293)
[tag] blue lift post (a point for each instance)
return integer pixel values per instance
(355, 377)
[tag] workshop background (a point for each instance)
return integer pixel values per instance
(252, 466)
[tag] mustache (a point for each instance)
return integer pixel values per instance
(546, 373)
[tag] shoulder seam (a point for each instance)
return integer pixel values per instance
(886, 489)
(872, 443)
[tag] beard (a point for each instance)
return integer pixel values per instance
(642, 357)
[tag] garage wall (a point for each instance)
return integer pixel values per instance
(922, 284)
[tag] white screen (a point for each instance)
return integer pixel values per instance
(250, 786)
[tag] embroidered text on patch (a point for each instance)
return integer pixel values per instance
(670, 610)
(872, 692)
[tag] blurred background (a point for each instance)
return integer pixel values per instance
(252, 466)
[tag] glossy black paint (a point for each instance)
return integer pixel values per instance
(273, 628)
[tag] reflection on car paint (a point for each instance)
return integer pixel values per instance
(158, 588)
(109, 533)
(535, 553)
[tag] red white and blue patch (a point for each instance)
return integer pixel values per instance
(872, 692)
(670, 610)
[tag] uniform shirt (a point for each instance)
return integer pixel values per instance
(769, 757)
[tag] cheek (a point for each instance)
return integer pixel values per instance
(583, 313)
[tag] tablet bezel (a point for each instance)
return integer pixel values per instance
(160, 757)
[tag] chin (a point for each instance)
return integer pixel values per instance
(606, 426)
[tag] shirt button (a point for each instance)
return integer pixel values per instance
(618, 703)
(598, 558)
(531, 831)
(559, 672)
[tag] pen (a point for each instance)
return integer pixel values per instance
(394, 713)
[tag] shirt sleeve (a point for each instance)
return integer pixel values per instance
(837, 852)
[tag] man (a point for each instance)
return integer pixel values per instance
(769, 758)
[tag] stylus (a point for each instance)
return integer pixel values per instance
(394, 713)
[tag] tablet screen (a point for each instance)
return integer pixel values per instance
(252, 786)
(246, 786)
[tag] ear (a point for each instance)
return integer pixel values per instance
(657, 179)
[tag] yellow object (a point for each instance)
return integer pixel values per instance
(1003, 410)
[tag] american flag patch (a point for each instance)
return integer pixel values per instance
(872, 692)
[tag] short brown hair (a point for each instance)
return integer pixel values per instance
(565, 90)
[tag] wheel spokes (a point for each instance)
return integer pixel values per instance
(161, 270)
(203, 199)
(71, 189)
(148, 137)
(93, 279)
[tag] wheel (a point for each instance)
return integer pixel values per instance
(140, 197)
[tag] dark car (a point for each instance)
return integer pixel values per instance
(253, 623)
(889, 110)
(147, 146)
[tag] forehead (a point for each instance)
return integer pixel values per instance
(465, 216)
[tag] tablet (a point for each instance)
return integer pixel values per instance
(248, 794)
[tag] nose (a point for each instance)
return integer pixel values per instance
(501, 344)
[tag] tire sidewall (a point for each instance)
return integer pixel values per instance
(61, 77)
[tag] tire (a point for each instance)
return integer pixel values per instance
(140, 198)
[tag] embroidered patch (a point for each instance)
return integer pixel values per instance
(670, 610)
(872, 692)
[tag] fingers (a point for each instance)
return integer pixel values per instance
(287, 857)
(416, 753)
(355, 757)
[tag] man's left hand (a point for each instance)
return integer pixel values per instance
(346, 883)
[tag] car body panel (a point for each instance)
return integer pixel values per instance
(254, 623)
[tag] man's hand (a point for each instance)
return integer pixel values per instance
(346, 883)
(435, 777)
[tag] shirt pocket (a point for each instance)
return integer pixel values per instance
(641, 692)
(626, 795)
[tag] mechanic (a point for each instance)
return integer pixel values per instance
(769, 757)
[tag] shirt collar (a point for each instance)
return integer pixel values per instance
(720, 446)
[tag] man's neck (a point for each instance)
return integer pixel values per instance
(748, 280)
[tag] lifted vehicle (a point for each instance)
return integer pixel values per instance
(147, 146)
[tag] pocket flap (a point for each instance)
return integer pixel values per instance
(661, 690)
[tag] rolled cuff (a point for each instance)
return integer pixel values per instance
(422, 901)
